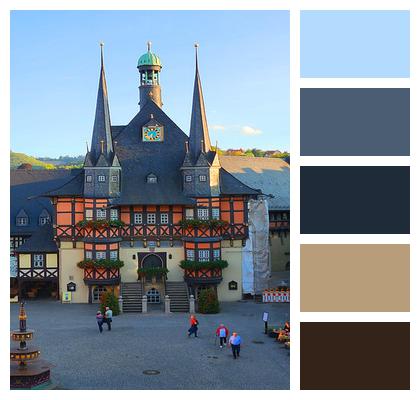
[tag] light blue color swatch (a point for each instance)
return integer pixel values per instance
(355, 44)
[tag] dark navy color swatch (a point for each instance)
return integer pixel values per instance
(355, 200)
(355, 122)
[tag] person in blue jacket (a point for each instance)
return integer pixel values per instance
(235, 342)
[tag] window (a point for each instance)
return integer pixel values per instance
(203, 255)
(151, 219)
(188, 178)
(38, 261)
(189, 213)
(151, 178)
(164, 219)
(96, 293)
(202, 178)
(153, 296)
(101, 178)
(216, 254)
(22, 221)
(113, 255)
(215, 213)
(203, 213)
(88, 178)
(190, 255)
(114, 214)
(43, 220)
(114, 178)
(100, 213)
(138, 219)
(89, 215)
(88, 255)
(100, 255)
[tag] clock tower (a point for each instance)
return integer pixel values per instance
(149, 67)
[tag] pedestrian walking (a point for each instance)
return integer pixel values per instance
(108, 317)
(235, 342)
(100, 320)
(193, 326)
(222, 333)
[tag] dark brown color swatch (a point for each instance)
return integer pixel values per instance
(355, 355)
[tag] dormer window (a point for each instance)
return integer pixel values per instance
(22, 218)
(44, 217)
(22, 221)
(152, 178)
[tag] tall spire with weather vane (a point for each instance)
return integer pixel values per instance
(199, 133)
(101, 136)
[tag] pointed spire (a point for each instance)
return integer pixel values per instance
(101, 136)
(199, 133)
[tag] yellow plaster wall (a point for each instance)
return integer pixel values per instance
(24, 261)
(52, 260)
(69, 257)
(233, 255)
(279, 246)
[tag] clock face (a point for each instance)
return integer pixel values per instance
(152, 133)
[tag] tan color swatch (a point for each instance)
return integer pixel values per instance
(354, 277)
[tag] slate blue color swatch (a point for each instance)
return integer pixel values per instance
(374, 44)
(355, 200)
(355, 122)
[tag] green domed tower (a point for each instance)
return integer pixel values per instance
(149, 67)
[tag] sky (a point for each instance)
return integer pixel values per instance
(55, 62)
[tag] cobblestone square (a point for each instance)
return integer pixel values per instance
(82, 358)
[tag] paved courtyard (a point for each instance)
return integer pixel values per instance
(83, 358)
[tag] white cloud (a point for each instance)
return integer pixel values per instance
(250, 131)
(218, 127)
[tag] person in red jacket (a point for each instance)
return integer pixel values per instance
(222, 333)
(193, 326)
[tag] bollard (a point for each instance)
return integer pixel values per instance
(144, 304)
(167, 304)
(120, 304)
(192, 304)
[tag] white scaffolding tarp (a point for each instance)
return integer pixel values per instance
(256, 265)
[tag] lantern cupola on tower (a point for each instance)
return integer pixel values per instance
(149, 66)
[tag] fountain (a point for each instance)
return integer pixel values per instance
(27, 371)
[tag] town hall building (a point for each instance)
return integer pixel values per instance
(152, 212)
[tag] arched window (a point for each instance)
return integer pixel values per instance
(153, 296)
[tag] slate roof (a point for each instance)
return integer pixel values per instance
(271, 175)
(42, 240)
(138, 159)
(25, 186)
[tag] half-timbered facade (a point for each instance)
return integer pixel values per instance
(151, 204)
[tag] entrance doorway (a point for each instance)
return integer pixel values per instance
(151, 261)
(38, 289)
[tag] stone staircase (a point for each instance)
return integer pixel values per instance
(178, 293)
(132, 293)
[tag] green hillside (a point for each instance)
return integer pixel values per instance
(16, 159)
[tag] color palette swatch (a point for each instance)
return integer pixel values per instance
(355, 277)
(355, 355)
(355, 122)
(354, 44)
(357, 274)
(354, 200)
